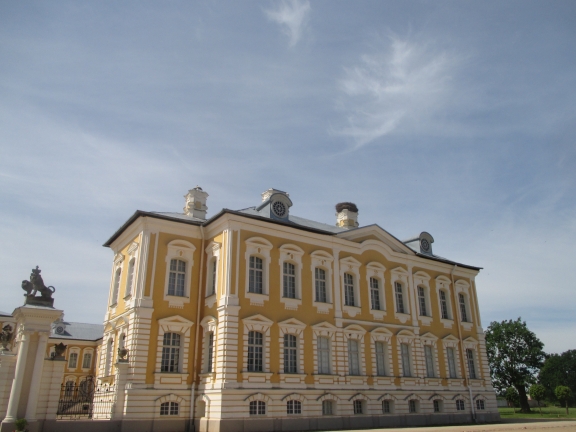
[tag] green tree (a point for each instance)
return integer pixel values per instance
(558, 369)
(511, 396)
(538, 393)
(563, 393)
(515, 355)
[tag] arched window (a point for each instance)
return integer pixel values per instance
(413, 406)
(257, 408)
(213, 274)
(387, 406)
(289, 280)
(210, 353)
(320, 285)
(479, 404)
(170, 353)
(327, 407)
(130, 281)
(438, 406)
(169, 409)
(460, 405)
(109, 354)
(255, 282)
(116, 288)
(290, 362)
(255, 351)
(293, 407)
(177, 278)
(359, 406)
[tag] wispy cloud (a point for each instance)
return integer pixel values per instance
(292, 16)
(400, 81)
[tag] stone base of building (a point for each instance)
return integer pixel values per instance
(338, 422)
(178, 425)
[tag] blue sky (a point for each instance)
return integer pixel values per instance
(457, 118)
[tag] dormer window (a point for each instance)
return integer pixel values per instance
(275, 204)
(279, 209)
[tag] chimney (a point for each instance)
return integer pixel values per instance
(346, 215)
(196, 203)
(268, 193)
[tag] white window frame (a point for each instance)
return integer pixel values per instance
(328, 397)
(324, 261)
(260, 324)
(472, 344)
(90, 352)
(390, 403)
(406, 337)
(428, 339)
(181, 326)
(451, 341)
(422, 279)
(293, 327)
(116, 281)
(75, 351)
(328, 331)
(184, 251)
(400, 275)
(294, 397)
(132, 275)
(209, 326)
(443, 284)
(356, 333)
(463, 287)
(258, 247)
(292, 254)
(212, 255)
(258, 397)
(351, 266)
(376, 270)
(383, 336)
(363, 403)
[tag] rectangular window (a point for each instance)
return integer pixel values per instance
(479, 404)
(177, 278)
(323, 355)
(320, 285)
(255, 351)
(462, 300)
(358, 408)
(375, 293)
(213, 280)
(353, 357)
(349, 290)
(130, 281)
(87, 361)
(386, 407)
(412, 406)
(429, 361)
(326, 407)
(255, 281)
(293, 407)
(380, 359)
(257, 408)
(405, 350)
(436, 406)
(210, 351)
(289, 280)
(451, 362)
(114, 298)
(459, 405)
(399, 297)
(290, 365)
(422, 301)
(73, 361)
(170, 353)
(471, 366)
(444, 305)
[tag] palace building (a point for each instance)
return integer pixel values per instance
(258, 320)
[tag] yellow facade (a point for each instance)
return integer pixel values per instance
(402, 325)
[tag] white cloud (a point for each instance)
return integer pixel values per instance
(401, 82)
(292, 15)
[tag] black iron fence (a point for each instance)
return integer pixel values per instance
(85, 400)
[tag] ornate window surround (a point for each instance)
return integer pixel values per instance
(443, 283)
(182, 326)
(170, 398)
(84, 352)
(401, 275)
(182, 250)
(327, 330)
(351, 266)
(355, 332)
(376, 270)
(383, 335)
(463, 287)
(212, 253)
(133, 252)
(472, 344)
(261, 324)
(292, 254)
(423, 279)
(294, 327)
(116, 282)
(260, 247)
(324, 261)
(452, 341)
(209, 325)
(329, 397)
(428, 339)
(409, 338)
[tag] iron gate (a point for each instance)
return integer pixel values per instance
(85, 400)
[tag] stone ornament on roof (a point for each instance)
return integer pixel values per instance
(36, 286)
(6, 337)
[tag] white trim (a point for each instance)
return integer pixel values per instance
(184, 251)
(400, 275)
(351, 266)
(323, 260)
(376, 270)
(292, 254)
(260, 247)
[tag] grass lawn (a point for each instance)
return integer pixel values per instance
(547, 412)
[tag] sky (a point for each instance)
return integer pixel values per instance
(451, 117)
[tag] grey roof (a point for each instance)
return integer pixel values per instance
(5, 314)
(79, 331)
(182, 216)
(296, 220)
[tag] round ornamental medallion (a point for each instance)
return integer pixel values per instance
(59, 329)
(425, 245)
(279, 208)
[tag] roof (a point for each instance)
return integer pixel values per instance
(5, 314)
(78, 331)
(253, 213)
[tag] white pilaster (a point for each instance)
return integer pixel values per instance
(11, 412)
(36, 377)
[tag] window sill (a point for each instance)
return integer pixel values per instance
(210, 300)
(467, 325)
(176, 301)
(425, 319)
(352, 310)
(170, 378)
(447, 322)
(321, 307)
(291, 303)
(378, 313)
(257, 299)
(402, 317)
(292, 378)
(256, 377)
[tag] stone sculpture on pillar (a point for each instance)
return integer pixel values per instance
(36, 285)
(6, 337)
